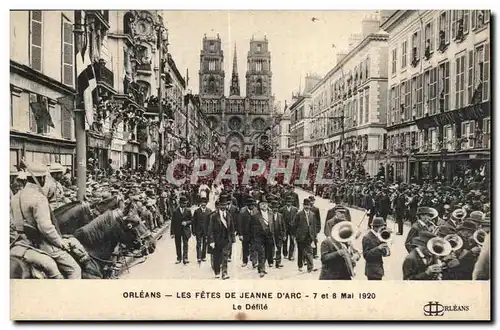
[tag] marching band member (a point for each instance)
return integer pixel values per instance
(420, 263)
(374, 250)
(337, 258)
(220, 237)
(482, 267)
(289, 211)
(304, 226)
(470, 252)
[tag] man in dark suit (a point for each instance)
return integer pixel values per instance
(294, 196)
(304, 226)
(384, 205)
(279, 231)
(316, 213)
(370, 207)
(181, 230)
(289, 212)
(201, 218)
(243, 230)
(420, 264)
(262, 235)
(399, 210)
(374, 250)
(220, 237)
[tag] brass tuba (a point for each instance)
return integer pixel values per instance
(439, 247)
(427, 218)
(385, 236)
(479, 237)
(455, 241)
(344, 232)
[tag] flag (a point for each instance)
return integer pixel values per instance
(86, 79)
(41, 112)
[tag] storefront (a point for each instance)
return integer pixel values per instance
(116, 154)
(130, 155)
(41, 149)
(97, 149)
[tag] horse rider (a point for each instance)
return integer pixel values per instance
(32, 216)
(53, 188)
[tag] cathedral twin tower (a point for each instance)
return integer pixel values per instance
(240, 121)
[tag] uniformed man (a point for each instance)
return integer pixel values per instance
(53, 188)
(31, 209)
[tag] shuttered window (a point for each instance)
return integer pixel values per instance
(66, 119)
(36, 39)
(470, 77)
(67, 51)
(486, 73)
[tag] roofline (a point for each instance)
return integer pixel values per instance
(349, 55)
(395, 18)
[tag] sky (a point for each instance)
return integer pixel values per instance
(297, 44)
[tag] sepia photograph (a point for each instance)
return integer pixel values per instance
(252, 151)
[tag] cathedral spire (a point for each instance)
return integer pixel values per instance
(235, 81)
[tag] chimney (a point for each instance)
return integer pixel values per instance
(385, 14)
(311, 81)
(370, 25)
(354, 40)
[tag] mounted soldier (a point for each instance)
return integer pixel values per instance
(32, 220)
(53, 188)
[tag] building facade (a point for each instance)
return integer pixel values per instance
(348, 106)
(41, 74)
(438, 117)
(240, 121)
(124, 128)
(281, 135)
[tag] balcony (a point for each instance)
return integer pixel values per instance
(104, 76)
(99, 16)
(144, 68)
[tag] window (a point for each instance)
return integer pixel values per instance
(460, 82)
(397, 111)
(367, 105)
(11, 108)
(67, 51)
(415, 47)
(37, 115)
(433, 138)
(444, 30)
(468, 132)
(479, 19)
(259, 47)
(486, 72)
(487, 132)
(401, 105)
(420, 142)
(394, 61)
(404, 54)
(419, 97)
(433, 99)
(429, 38)
(36, 39)
(361, 72)
(459, 24)
(390, 113)
(361, 117)
(444, 86)
(407, 108)
(448, 137)
(355, 112)
(470, 77)
(426, 88)
(367, 68)
(212, 47)
(66, 120)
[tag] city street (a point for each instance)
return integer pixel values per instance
(161, 265)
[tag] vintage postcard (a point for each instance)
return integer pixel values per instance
(250, 165)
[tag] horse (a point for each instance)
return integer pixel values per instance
(100, 238)
(72, 216)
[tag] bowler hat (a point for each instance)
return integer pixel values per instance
(289, 198)
(203, 200)
(223, 199)
(311, 198)
(249, 200)
(477, 216)
(182, 199)
(468, 224)
(378, 222)
(306, 201)
(422, 238)
(264, 199)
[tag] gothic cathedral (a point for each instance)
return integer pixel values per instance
(241, 122)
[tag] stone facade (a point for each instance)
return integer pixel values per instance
(241, 121)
